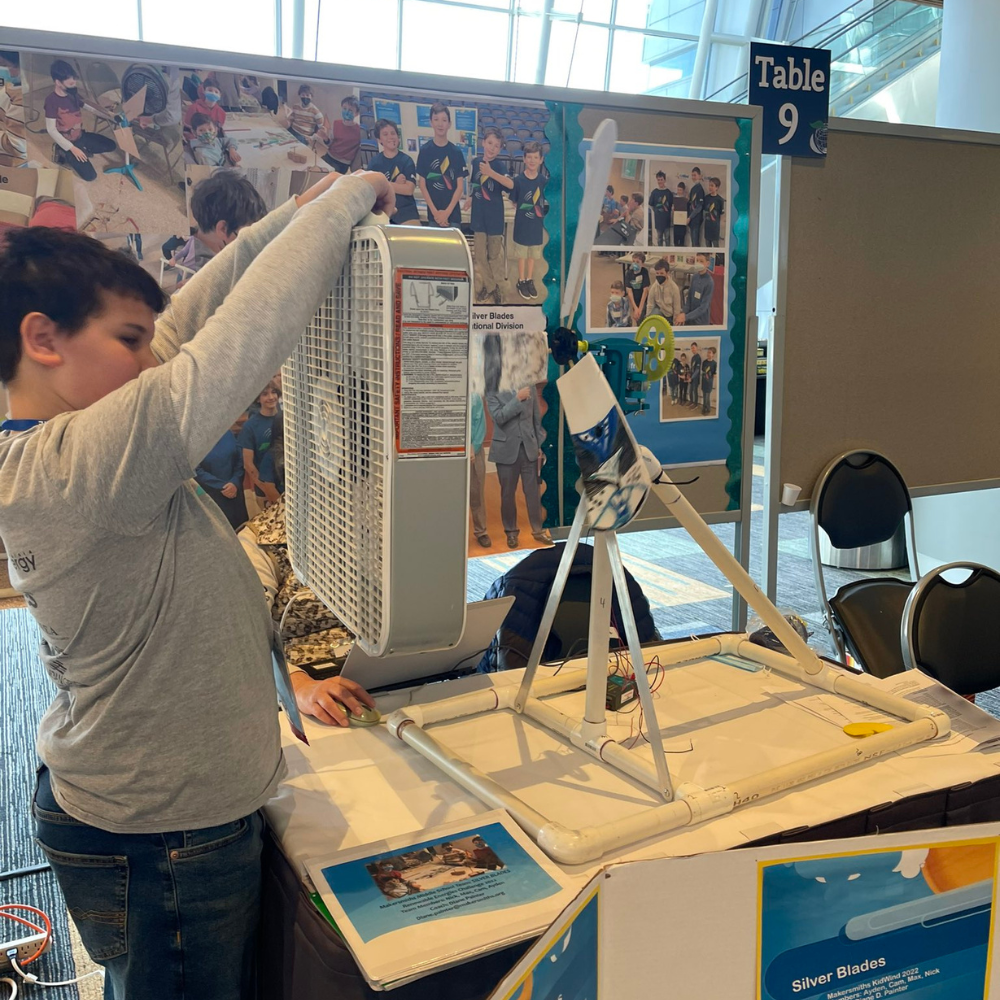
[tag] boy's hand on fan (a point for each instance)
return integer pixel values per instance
(330, 700)
(385, 193)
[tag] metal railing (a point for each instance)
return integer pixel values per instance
(871, 43)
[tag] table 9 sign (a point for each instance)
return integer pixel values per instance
(792, 85)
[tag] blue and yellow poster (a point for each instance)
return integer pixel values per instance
(915, 923)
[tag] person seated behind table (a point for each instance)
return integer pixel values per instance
(311, 633)
(452, 855)
(221, 205)
(208, 147)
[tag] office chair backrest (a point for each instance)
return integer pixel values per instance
(952, 630)
(860, 500)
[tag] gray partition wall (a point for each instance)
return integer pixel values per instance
(886, 326)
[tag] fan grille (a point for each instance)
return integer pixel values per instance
(337, 427)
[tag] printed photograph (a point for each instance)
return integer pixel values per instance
(433, 866)
(13, 136)
(624, 287)
(236, 120)
(689, 390)
(44, 197)
(623, 210)
(479, 165)
(507, 375)
(117, 126)
(147, 251)
(688, 202)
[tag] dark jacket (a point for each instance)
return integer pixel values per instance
(530, 582)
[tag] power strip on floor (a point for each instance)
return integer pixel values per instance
(26, 947)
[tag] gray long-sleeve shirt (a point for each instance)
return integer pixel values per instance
(699, 300)
(152, 622)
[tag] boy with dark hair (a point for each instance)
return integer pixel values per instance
(64, 122)
(684, 378)
(661, 202)
(162, 741)
(699, 293)
(609, 208)
(636, 214)
(636, 286)
(441, 171)
(696, 205)
(674, 380)
(528, 194)
(399, 170)
(488, 179)
(696, 360)
(221, 205)
(715, 208)
(680, 215)
(305, 120)
(345, 136)
(208, 148)
(664, 295)
(619, 313)
(709, 368)
(209, 103)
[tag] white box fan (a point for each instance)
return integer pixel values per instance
(376, 400)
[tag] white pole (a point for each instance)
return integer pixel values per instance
(736, 574)
(594, 716)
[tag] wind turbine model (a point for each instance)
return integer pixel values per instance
(376, 436)
(122, 119)
(616, 477)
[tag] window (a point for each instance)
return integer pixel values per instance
(213, 27)
(361, 34)
(455, 41)
(577, 56)
(110, 18)
(633, 71)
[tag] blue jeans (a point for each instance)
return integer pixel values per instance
(170, 916)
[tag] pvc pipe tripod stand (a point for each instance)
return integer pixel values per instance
(691, 804)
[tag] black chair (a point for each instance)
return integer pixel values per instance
(860, 499)
(952, 630)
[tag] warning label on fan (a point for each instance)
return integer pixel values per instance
(431, 362)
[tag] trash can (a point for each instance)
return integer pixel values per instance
(890, 554)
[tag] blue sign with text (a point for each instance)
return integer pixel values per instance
(792, 85)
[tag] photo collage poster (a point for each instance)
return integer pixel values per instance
(140, 156)
(665, 246)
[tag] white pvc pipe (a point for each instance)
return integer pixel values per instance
(778, 779)
(736, 574)
(598, 640)
(470, 777)
(603, 747)
(836, 681)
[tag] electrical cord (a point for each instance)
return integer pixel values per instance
(13, 987)
(29, 978)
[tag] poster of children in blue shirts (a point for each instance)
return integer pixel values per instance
(913, 923)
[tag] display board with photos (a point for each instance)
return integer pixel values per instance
(508, 172)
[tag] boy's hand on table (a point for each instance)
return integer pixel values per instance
(327, 700)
